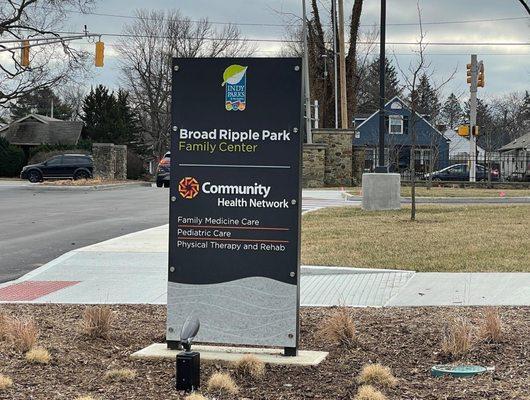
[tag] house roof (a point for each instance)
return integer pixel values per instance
(519, 143)
(35, 129)
(404, 106)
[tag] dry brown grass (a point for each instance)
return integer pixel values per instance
(222, 383)
(38, 355)
(377, 375)
(4, 320)
(491, 328)
(85, 398)
(195, 396)
(5, 382)
(348, 236)
(97, 321)
(83, 182)
(339, 328)
(458, 338)
(367, 392)
(22, 333)
(250, 366)
(120, 375)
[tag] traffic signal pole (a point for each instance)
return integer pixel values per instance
(473, 119)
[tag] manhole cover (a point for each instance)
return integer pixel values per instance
(458, 371)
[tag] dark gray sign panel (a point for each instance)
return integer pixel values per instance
(235, 200)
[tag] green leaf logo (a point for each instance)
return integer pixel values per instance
(233, 74)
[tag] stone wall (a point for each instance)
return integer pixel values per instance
(338, 158)
(110, 161)
(313, 165)
(358, 164)
(121, 162)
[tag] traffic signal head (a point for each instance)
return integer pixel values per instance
(100, 53)
(24, 54)
(468, 68)
(481, 77)
(463, 130)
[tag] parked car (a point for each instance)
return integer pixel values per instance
(66, 166)
(162, 172)
(460, 172)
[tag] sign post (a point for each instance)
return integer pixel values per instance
(234, 250)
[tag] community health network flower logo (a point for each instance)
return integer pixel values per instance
(188, 188)
(235, 83)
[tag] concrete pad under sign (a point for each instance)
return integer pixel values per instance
(225, 353)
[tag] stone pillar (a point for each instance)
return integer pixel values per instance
(121, 162)
(104, 160)
(313, 165)
(339, 147)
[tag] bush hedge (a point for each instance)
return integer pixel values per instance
(11, 159)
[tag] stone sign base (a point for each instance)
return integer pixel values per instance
(225, 353)
(381, 192)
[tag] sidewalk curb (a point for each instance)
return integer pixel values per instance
(325, 270)
(45, 188)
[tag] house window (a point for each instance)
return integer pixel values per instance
(395, 124)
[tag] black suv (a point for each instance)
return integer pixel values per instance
(67, 166)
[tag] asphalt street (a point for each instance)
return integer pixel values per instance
(37, 226)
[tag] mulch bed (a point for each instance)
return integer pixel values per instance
(405, 339)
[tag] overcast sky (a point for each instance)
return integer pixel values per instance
(507, 67)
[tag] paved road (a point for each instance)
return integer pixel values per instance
(38, 226)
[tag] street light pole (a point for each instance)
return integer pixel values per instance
(335, 70)
(306, 77)
(381, 158)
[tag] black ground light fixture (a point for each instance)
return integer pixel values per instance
(188, 373)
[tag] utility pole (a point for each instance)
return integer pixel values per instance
(382, 39)
(472, 72)
(335, 53)
(305, 84)
(342, 67)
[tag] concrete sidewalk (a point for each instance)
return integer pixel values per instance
(132, 269)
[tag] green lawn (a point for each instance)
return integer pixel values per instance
(444, 238)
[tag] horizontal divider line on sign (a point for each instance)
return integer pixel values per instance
(234, 240)
(233, 227)
(236, 166)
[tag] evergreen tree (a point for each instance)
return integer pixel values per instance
(427, 102)
(452, 113)
(109, 118)
(369, 87)
(40, 102)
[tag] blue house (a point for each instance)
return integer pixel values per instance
(432, 147)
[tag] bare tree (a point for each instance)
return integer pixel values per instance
(418, 67)
(50, 64)
(145, 56)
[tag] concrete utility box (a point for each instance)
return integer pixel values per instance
(381, 192)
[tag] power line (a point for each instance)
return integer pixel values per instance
(286, 25)
(274, 40)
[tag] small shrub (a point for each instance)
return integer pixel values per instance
(22, 333)
(221, 382)
(491, 329)
(250, 366)
(5, 382)
(376, 374)
(97, 321)
(367, 392)
(340, 328)
(458, 338)
(120, 375)
(38, 355)
(11, 158)
(195, 396)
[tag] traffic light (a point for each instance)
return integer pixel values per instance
(481, 79)
(469, 73)
(475, 130)
(24, 54)
(100, 53)
(463, 130)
